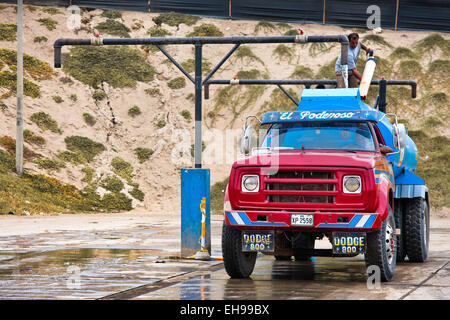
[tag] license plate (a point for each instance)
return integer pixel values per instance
(257, 241)
(349, 242)
(302, 220)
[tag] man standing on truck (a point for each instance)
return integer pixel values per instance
(353, 53)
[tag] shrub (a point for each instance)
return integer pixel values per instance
(327, 71)
(283, 25)
(88, 174)
(177, 83)
(158, 31)
(8, 80)
(440, 69)
(49, 23)
(45, 122)
(89, 119)
(7, 162)
(57, 99)
(292, 32)
(137, 194)
(122, 168)
(161, 124)
(265, 25)
(88, 148)
(403, 53)
(376, 39)
(112, 183)
(134, 111)
(410, 68)
(189, 66)
(431, 43)
(118, 66)
(174, 19)
(51, 10)
(245, 52)
(143, 154)
(72, 157)
(302, 72)
(9, 144)
(30, 137)
(280, 101)
(250, 74)
(186, 114)
(114, 28)
(112, 14)
(283, 51)
(99, 95)
(50, 164)
(8, 31)
(116, 202)
(73, 97)
(152, 91)
(35, 68)
(40, 39)
(206, 30)
(316, 48)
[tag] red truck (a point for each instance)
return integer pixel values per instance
(326, 170)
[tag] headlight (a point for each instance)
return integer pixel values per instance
(250, 183)
(352, 184)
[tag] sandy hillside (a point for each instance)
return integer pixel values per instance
(159, 177)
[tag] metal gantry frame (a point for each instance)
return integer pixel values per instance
(198, 80)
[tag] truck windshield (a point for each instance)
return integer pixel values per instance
(354, 136)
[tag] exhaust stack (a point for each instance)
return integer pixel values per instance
(367, 76)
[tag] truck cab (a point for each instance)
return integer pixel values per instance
(327, 169)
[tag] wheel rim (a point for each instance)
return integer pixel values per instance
(390, 243)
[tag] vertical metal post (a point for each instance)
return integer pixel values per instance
(19, 126)
(382, 96)
(198, 106)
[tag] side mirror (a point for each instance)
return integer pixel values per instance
(399, 136)
(246, 139)
(386, 150)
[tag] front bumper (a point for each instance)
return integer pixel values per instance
(323, 221)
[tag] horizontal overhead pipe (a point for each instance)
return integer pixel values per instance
(308, 82)
(59, 43)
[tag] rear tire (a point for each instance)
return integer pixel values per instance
(417, 229)
(238, 264)
(381, 248)
(399, 210)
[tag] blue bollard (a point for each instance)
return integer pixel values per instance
(195, 212)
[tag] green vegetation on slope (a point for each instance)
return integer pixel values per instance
(88, 148)
(119, 66)
(114, 28)
(40, 193)
(174, 19)
(434, 153)
(8, 31)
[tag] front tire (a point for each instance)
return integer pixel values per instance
(381, 248)
(238, 264)
(417, 229)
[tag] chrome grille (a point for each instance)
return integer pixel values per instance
(301, 187)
